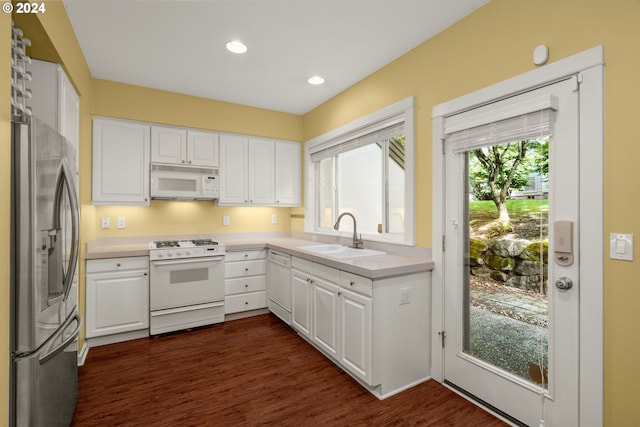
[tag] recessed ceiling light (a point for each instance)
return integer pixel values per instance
(236, 46)
(316, 80)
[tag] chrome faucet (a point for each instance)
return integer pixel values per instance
(357, 242)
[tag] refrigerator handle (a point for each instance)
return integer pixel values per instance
(45, 345)
(65, 179)
(50, 354)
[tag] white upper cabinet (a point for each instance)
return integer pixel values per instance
(234, 150)
(259, 171)
(55, 100)
(184, 147)
(168, 145)
(120, 162)
(202, 148)
(287, 173)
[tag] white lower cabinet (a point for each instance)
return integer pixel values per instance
(355, 334)
(363, 325)
(301, 302)
(245, 281)
(117, 296)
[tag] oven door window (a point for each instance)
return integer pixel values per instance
(188, 276)
(175, 283)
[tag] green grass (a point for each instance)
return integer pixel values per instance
(516, 208)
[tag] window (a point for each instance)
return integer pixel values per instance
(364, 168)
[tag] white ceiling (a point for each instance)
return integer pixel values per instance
(179, 45)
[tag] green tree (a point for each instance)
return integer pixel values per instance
(494, 171)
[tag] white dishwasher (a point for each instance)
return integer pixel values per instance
(279, 285)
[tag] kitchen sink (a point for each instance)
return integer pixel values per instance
(340, 251)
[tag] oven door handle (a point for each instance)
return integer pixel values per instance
(186, 309)
(189, 261)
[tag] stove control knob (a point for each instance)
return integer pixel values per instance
(169, 254)
(160, 255)
(178, 253)
(187, 253)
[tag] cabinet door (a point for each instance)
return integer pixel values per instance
(355, 334)
(120, 163)
(261, 171)
(287, 173)
(202, 148)
(117, 302)
(325, 316)
(233, 169)
(301, 307)
(168, 145)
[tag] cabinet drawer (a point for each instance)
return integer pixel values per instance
(117, 264)
(301, 264)
(245, 255)
(244, 302)
(245, 268)
(356, 283)
(245, 284)
(327, 273)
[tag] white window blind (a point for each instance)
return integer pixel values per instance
(377, 132)
(527, 122)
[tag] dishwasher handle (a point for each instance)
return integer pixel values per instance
(280, 258)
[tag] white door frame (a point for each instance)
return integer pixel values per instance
(590, 67)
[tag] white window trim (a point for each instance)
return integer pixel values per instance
(404, 107)
(589, 64)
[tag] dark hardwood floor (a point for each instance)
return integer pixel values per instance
(248, 372)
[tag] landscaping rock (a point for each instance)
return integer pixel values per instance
(498, 276)
(499, 263)
(477, 248)
(529, 283)
(533, 251)
(481, 272)
(530, 268)
(509, 247)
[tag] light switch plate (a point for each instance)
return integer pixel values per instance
(105, 222)
(225, 220)
(122, 222)
(274, 219)
(621, 246)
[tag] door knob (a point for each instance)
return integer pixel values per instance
(564, 283)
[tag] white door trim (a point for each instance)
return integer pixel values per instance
(590, 65)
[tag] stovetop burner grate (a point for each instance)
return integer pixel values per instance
(167, 244)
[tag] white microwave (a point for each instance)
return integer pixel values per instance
(184, 182)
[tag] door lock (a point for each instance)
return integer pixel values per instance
(564, 283)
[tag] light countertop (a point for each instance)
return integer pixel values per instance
(372, 267)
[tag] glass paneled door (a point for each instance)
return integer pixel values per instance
(511, 271)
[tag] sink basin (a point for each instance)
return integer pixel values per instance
(340, 252)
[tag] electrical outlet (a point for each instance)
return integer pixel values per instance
(225, 220)
(122, 222)
(106, 222)
(405, 295)
(274, 219)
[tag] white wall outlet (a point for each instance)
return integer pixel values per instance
(225, 220)
(405, 295)
(621, 246)
(105, 222)
(122, 222)
(274, 219)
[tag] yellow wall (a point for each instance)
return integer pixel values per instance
(493, 44)
(5, 191)
(124, 101)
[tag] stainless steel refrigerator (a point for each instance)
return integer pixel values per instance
(44, 315)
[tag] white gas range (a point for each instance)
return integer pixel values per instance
(186, 284)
